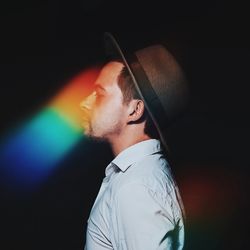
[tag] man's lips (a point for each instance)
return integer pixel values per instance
(84, 124)
(85, 121)
(85, 118)
(86, 115)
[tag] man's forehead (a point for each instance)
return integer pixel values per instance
(109, 73)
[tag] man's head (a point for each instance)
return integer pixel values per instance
(144, 91)
(114, 106)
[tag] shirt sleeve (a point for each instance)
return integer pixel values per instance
(142, 221)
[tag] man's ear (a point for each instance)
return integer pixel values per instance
(135, 110)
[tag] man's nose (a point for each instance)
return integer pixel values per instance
(87, 102)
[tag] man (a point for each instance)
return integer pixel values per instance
(138, 206)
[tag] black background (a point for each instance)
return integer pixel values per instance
(43, 44)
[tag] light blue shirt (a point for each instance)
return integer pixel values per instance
(138, 206)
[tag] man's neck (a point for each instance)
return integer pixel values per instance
(120, 143)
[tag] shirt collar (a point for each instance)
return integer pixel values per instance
(134, 153)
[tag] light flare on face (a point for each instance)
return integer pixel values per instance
(30, 152)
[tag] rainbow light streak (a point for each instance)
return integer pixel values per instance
(210, 193)
(33, 151)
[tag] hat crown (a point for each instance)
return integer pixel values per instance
(166, 78)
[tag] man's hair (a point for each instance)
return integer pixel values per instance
(128, 89)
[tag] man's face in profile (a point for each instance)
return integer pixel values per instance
(104, 110)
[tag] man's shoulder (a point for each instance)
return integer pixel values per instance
(151, 167)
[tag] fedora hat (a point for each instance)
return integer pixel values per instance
(159, 80)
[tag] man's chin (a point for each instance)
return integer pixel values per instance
(89, 134)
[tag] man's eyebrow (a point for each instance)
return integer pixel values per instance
(98, 86)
